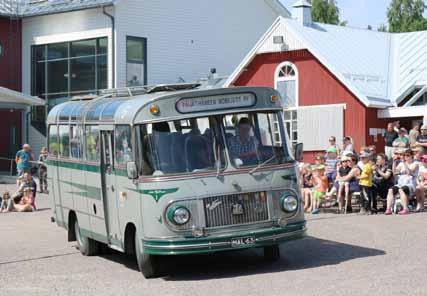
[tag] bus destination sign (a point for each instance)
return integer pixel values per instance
(220, 102)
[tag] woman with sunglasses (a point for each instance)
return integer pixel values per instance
(351, 178)
(333, 144)
(406, 173)
(383, 177)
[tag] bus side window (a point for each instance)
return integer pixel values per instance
(123, 144)
(64, 141)
(92, 143)
(76, 142)
(53, 140)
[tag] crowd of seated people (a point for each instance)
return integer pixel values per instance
(23, 200)
(399, 181)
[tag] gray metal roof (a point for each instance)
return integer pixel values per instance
(135, 109)
(27, 8)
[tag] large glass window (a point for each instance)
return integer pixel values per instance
(198, 144)
(64, 140)
(62, 70)
(53, 140)
(287, 85)
(255, 138)
(76, 145)
(136, 61)
(181, 146)
(123, 144)
(92, 143)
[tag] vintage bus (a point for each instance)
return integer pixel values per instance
(174, 169)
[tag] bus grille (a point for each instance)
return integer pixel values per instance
(235, 209)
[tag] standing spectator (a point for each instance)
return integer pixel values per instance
(331, 163)
(347, 146)
(22, 159)
(422, 138)
(383, 178)
(413, 135)
(365, 182)
(389, 137)
(320, 182)
(402, 141)
(43, 170)
(421, 184)
(333, 144)
(406, 172)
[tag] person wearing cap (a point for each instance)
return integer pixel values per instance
(420, 192)
(331, 163)
(402, 140)
(23, 158)
(422, 138)
(406, 173)
(365, 182)
(320, 182)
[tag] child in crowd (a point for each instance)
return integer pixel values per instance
(343, 186)
(307, 186)
(421, 184)
(365, 182)
(331, 163)
(27, 202)
(5, 203)
(320, 182)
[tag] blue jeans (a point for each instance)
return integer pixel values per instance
(6, 204)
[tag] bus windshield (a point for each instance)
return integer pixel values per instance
(199, 144)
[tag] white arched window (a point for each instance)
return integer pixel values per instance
(286, 83)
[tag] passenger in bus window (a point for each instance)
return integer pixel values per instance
(244, 145)
(92, 144)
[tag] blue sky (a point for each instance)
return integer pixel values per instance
(358, 13)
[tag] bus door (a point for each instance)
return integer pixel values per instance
(108, 185)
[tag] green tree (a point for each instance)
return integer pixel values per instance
(327, 12)
(382, 28)
(406, 16)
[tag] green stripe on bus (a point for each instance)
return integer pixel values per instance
(87, 190)
(83, 167)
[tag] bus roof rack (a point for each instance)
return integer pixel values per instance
(84, 97)
(146, 89)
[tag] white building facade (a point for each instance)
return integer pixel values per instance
(81, 50)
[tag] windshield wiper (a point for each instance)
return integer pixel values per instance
(262, 164)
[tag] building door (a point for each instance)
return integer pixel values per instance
(108, 183)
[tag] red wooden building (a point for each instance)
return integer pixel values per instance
(337, 81)
(14, 106)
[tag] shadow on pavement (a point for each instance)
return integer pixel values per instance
(303, 254)
(308, 253)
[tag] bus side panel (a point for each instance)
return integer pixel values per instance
(95, 206)
(54, 192)
(78, 178)
(128, 205)
(64, 174)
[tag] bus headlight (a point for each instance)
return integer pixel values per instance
(289, 203)
(179, 215)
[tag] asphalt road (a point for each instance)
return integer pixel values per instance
(342, 255)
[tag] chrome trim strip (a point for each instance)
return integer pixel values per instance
(223, 244)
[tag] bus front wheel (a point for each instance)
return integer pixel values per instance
(86, 246)
(272, 253)
(147, 264)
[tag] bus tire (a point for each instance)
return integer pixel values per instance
(148, 264)
(86, 246)
(272, 253)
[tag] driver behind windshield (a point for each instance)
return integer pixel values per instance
(244, 145)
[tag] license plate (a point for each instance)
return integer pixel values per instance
(242, 241)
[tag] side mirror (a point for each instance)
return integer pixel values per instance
(132, 170)
(299, 152)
